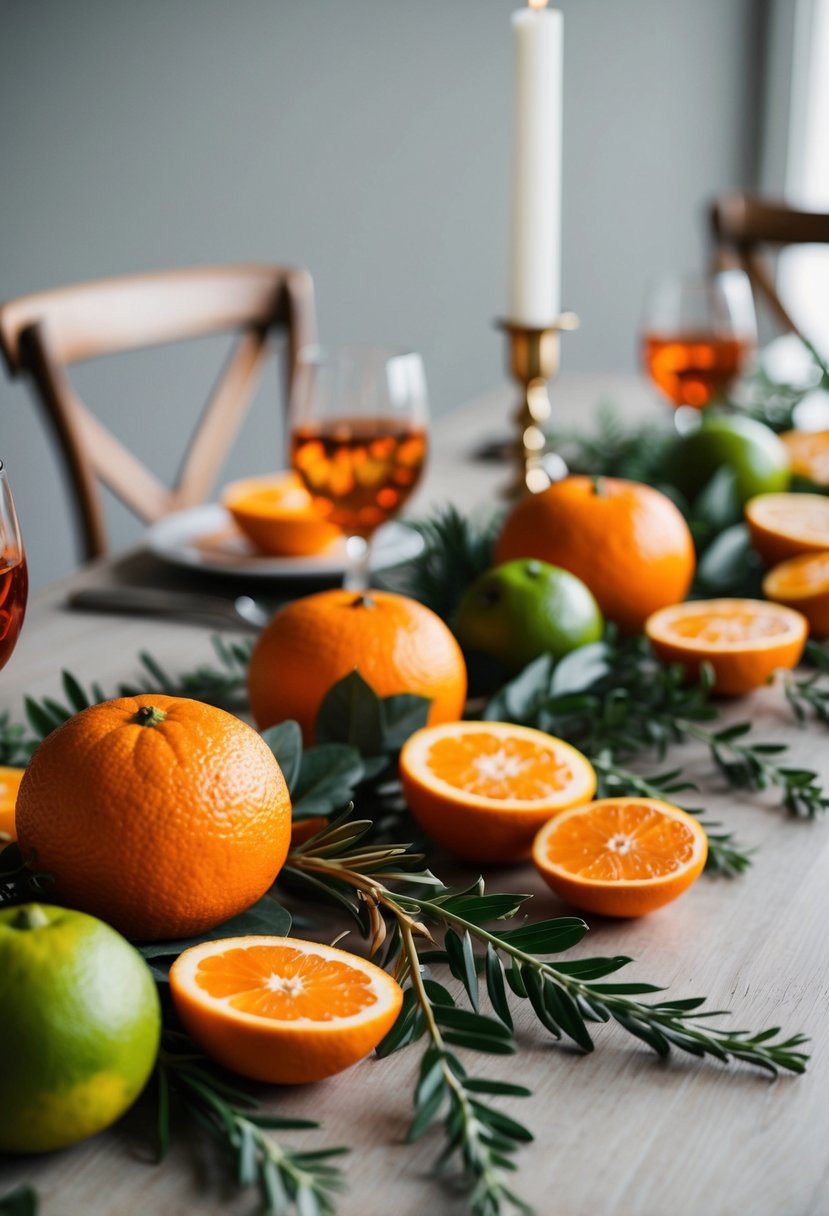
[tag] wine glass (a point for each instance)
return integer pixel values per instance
(14, 578)
(697, 334)
(359, 439)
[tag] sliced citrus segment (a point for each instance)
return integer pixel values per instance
(802, 583)
(282, 1010)
(483, 789)
(783, 525)
(621, 856)
(10, 779)
(278, 515)
(743, 640)
(808, 454)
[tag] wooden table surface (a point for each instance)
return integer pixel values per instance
(618, 1133)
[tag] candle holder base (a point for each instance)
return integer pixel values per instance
(533, 362)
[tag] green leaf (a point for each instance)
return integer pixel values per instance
(482, 1085)
(495, 986)
(586, 969)
(352, 713)
(453, 1018)
(402, 715)
(22, 1201)
(404, 1030)
(285, 741)
(481, 909)
(266, 916)
(519, 700)
(580, 670)
(564, 1010)
(546, 936)
(328, 776)
(74, 693)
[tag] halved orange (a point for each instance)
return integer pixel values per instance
(10, 779)
(621, 856)
(483, 789)
(743, 640)
(282, 1010)
(783, 525)
(808, 454)
(803, 583)
(277, 514)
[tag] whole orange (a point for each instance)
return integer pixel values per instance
(160, 815)
(396, 644)
(627, 541)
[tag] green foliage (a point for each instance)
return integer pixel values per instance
(22, 1201)
(266, 916)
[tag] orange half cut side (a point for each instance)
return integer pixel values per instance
(802, 583)
(784, 525)
(621, 857)
(280, 1009)
(482, 789)
(743, 640)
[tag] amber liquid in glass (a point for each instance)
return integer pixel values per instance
(693, 368)
(14, 590)
(359, 471)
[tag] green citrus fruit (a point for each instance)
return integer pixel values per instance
(758, 459)
(525, 608)
(80, 1020)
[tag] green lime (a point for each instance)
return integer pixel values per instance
(759, 460)
(81, 1024)
(525, 608)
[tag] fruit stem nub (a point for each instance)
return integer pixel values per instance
(362, 601)
(30, 916)
(148, 715)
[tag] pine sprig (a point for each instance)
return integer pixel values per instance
(564, 996)
(289, 1181)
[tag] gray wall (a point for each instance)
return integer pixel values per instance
(367, 139)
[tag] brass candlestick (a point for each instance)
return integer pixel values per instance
(534, 361)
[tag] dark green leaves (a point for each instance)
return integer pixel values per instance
(352, 713)
(546, 936)
(265, 917)
(22, 1201)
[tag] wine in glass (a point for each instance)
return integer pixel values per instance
(14, 579)
(698, 332)
(359, 439)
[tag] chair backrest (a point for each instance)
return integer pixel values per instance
(743, 228)
(42, 334)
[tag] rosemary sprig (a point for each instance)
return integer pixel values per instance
(289, 1181)
(565, 996)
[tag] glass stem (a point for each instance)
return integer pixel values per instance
(357, 576)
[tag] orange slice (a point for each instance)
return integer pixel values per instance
(282, 1010)
(808, 454)
(783, 525)
(743, 640)
(483, 789)
(803, 583)
(10, 779)
(621, 856)
(277, 514)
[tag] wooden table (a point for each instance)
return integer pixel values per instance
(619, 1133)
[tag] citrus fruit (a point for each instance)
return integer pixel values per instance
(743, 640)
(752, 451)
(525, 608)
(10, 779)
(628, 542)
(783, 525)
(621, 856)
(483, 789)
(81, 1025)
(803, 583)
(161, 815)
(808, 455)
(277, 514)
(396, 644)
(282, 1010)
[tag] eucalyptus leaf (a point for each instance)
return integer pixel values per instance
(580, 670)
(285, 741)
(352, 713)
(402, 715)
(265, 917)
(328, 776)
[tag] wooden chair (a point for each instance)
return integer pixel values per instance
(743, 228)
(41, 335)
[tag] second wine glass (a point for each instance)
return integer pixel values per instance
(697, 334)
(359, 418)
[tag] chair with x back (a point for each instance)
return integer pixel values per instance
(42, 335)
(744, 229)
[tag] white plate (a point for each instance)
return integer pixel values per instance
(206, 538)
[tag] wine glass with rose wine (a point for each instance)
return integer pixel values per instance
(698, 332)
(14, 579)
(359, 418)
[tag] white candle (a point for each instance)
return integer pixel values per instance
(535, 229)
